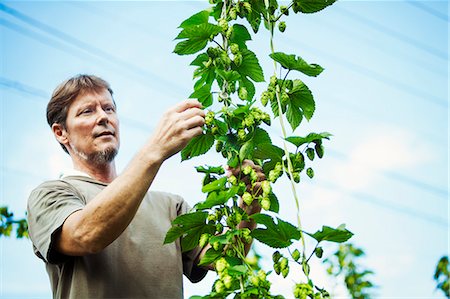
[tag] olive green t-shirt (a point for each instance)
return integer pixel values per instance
(136, 265)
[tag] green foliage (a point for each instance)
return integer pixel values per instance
(291, 62)
(338, 235)
(197, 146)
(442, 276)
(344, 264)
(275, 235)
(226, 71)
(8, 224)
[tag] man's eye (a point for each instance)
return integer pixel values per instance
(86, 111)
(110, 109)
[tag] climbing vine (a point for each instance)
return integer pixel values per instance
(236, 122)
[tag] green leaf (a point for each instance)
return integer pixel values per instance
(240, 36)
(294, 116)
(192, 237)
(198, 61)
(266, 151)
(246, 150)
(217, 198)
(229, 76)
(310, 172)
(261, 136)
(301, 96)
(204, 95)
(196, 19)
(214, 185)
(238, 269)
(250, 66)
(312, 6)
(249, 86)
(210, 256)
(183, 223)
(275, 235)
(197, 38)
(254, 17)
(291, 62)
(197, 146)
(274, 204)
(337, 235)
(298, 141)
(210, 169)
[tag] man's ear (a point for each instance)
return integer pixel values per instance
(60, 133)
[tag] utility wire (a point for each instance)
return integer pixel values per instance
(429, 10)
(388, 31)
(411, 90)
(147, 128)
(150, 77)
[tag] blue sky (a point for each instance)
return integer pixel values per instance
(383, 95)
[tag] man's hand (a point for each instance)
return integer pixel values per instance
(176, 128)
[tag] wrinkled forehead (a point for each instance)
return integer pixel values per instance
(91, 97)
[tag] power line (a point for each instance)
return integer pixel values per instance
(429, 10)
(387, 204)
(412, 90)
(98, 53)
(147, 128)
(388, 31)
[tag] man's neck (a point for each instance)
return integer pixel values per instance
(105, 173)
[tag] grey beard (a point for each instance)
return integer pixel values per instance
(98, 158)
(103, 157)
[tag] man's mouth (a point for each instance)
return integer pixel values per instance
(105, 133)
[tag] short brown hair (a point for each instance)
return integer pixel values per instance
(66, 92)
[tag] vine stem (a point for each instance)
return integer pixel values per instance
(283, 130)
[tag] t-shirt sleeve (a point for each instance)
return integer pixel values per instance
(190, 269)
(49, 205)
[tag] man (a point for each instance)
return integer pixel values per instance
(101, 234)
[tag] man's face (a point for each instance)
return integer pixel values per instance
(92, 127)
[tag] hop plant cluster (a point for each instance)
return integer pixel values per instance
(236, 122)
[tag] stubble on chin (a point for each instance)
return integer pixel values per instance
(98, 158)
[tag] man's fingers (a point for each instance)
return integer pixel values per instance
(191, 103)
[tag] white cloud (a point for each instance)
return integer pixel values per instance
(386, 148)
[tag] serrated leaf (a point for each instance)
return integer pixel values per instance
(276, 235)
(250, 66)
(337, 235)
(294, 116)
(301, 96)
(240, 36)
(204, 95)
(197, 38)
(249, 86)
(196, 19)
(214, 185)
(229, 76)
(261, 136)
(291, 62)
(183, 223)
(298, 141)
(197, 146)
(192, 237)
(266, 151)
(210, 256)
(274, 204)
(198, 61)
(217, 198)
(312, 6)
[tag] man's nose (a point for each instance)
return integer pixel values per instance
(102, 117)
